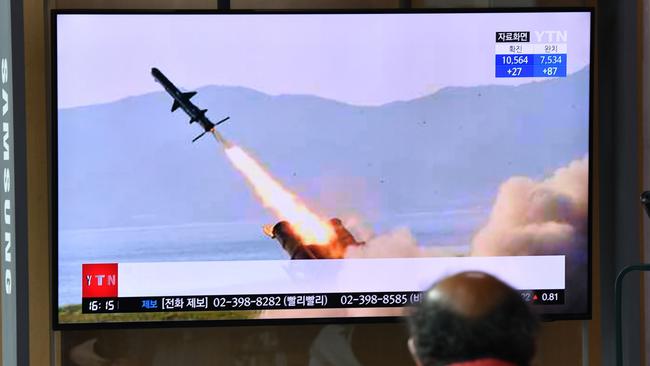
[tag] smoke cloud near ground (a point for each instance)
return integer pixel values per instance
(543, 218)
(397, 243)
(538, 217)
(529, 217)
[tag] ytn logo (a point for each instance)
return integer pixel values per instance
(111, 280)
(551, 36)
(99, 280)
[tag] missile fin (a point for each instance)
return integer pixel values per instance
(176, 105)
(199, 136)
(222, 121)
(189, 95)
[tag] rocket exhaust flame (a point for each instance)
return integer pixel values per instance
(294, 245)
(219, 137)
(275, 197)
(283, 203)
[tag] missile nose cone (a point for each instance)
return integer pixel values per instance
(155, 71)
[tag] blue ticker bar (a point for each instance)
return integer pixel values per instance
(530, 65)
(549, 71)
(515, 60)
(510, 71)
(550, 59)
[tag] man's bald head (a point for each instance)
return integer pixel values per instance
(469, 316)
(470, 294)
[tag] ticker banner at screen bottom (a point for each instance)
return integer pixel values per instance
(281, 301)
(268, 285)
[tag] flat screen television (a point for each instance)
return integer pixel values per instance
(215, 168)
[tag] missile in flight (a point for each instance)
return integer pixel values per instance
(182, 100)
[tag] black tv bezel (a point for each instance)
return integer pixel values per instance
(53, 137)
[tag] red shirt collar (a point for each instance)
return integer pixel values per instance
(483, 362)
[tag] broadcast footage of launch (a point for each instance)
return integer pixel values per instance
(240, 167)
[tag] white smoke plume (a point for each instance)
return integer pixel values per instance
(529, 217)
(398, 243)
(538, 217)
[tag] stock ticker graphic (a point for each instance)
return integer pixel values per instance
(519, 56)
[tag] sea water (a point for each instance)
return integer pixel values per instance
(451, 230)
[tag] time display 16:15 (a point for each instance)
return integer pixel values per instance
(102, 305)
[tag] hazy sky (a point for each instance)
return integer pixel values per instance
(357, 59)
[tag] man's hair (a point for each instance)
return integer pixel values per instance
(442, 336)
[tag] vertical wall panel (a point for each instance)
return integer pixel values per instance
(36, 62)
(645, 103)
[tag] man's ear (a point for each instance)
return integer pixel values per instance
(411, 345)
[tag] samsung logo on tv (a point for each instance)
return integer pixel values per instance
(6, 185)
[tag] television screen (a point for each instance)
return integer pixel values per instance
(245, 167)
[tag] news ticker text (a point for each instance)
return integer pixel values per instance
(279, 301)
